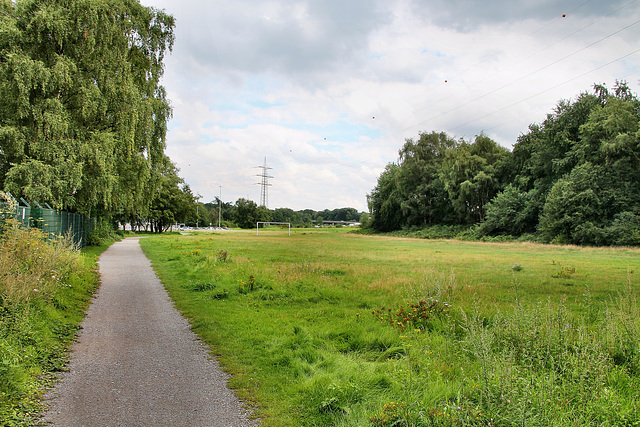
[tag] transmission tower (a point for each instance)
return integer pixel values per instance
(264, 193)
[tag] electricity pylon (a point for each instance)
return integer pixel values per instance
(264, 192)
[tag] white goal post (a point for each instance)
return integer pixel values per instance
(271, 223)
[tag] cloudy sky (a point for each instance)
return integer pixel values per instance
(328, 90)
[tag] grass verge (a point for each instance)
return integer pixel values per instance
(328, 328)
(45, 288)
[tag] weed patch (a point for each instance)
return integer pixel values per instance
(223, 256)
(565, 273)
(202, 287)
(418, 315)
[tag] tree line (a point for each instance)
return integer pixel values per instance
(574, 178)
(246, 213)
(83, 116)
(83, 121)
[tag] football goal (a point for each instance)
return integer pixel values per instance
(271, 223)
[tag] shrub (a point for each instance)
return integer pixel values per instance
(511, 212)
(624, 230)
(103, 234)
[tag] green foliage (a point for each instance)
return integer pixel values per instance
(202, 287)
(472, 177)
(30, 266)
(104, 233)
(575, 175)
(391, 414)
(422, 189)
(248, 213)
(438, 231)
(571, 179)
(297, 219)
(384, 201)
(223, 256)
(416, 315)
(565, 273)
(83, 117)
(250, 285)
(438, 181)
(44, 291)
(541, 365)
(510, 212)
(624, 229)
(577, 206)
(8, 206)
(173, 200)
(622, 329)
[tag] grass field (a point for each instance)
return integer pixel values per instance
(328, 327)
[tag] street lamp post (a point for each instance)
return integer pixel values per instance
(220, 206)
(198, 197)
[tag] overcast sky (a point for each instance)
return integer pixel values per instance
(328, 90)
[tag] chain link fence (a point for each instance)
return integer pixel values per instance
(53, 223)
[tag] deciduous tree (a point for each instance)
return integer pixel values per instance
(83, 115)
(248, 213)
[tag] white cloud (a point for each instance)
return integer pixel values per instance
(300, 82)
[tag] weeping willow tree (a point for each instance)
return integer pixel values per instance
(82, 113)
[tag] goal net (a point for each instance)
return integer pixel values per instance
(265, 223)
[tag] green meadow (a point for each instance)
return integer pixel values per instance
(333, 328)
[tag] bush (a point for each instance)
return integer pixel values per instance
(511, 212)
(580, 206)
(103, 234)
(437, 231)
(625, 230)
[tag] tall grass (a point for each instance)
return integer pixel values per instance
(328, 328)
(30, 266)
(44, 290)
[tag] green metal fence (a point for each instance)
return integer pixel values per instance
(53, 223)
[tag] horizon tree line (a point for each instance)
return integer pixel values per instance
(574, 178)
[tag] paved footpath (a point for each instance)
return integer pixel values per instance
(136, 362)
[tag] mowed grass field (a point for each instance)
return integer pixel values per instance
(327, 327)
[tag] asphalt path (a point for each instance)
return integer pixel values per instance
(136, 362)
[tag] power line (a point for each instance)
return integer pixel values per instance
(265, 184)
(527, 75)
(345, 165)
(528, 56)
(515, 81)
(557, 41)
(547, 90)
